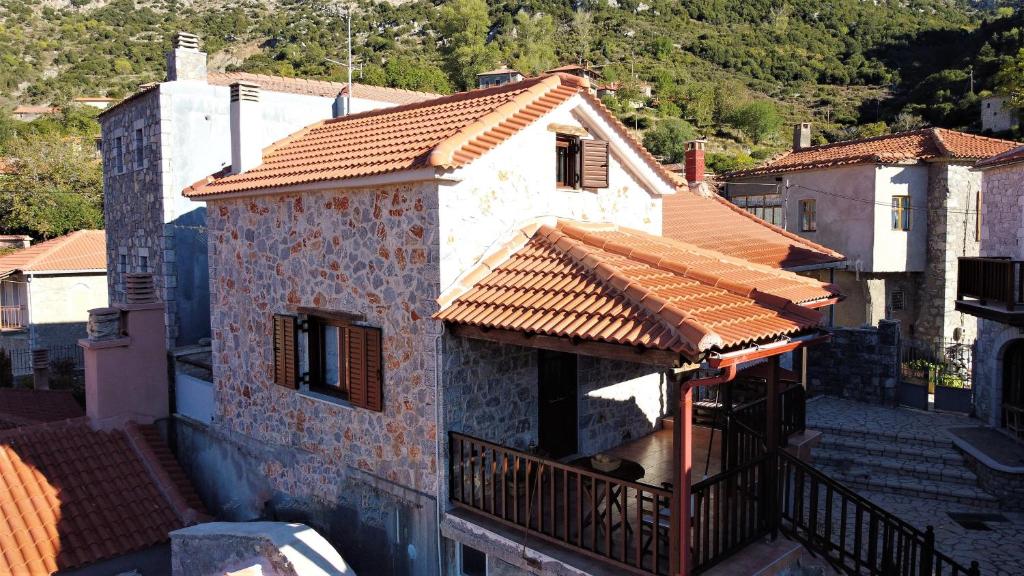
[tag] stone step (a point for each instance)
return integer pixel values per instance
(863, 478)
(939, 440)
(898, 451)
(931, 470)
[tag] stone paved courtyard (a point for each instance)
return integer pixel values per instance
(999, 550)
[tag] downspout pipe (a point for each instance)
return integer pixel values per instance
(683, 461)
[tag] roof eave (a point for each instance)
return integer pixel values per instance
(385, 179)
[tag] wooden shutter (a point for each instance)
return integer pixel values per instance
(363, 367)
(594, 163)
(286, 364)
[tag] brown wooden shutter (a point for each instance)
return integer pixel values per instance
(363, 367)
(286, 364)
(594, 163)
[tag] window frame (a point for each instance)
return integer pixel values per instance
(808, 208)
(118, 155)
(571, 144)
(897, 296)
(140, 149)
(461, 555)
(902, 211)
(316, 356)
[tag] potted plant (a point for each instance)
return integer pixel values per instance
(916, 377)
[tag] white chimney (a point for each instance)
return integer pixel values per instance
(246, 127)
(186, 61)
(802, 136)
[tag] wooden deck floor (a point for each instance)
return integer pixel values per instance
(654, 453)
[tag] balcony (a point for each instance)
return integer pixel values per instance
(991, 288)
(12, 318)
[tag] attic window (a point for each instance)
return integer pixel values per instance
(567, 161)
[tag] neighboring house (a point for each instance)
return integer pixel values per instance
(998, 114)
(498, 77)
(992, 289)
(27, 113)
(99, 102)
(900, 207)
(403, 298)
(170, 134)
(47, 289)
(9, 241)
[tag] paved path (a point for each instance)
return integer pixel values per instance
(999, 550)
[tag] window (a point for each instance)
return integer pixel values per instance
(343, 359)
(593, 164)
(567, 160)
(143, 263)
(139, 149)
(118, 155)
(472, 562)
(767, 207)
(897, 300)
(122, 268)
(808, 215)
(901, 213)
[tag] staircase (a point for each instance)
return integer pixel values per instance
(880, 462)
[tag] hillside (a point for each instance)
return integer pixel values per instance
(843, 63)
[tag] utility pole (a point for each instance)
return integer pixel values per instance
(971, 70)
(348, 97)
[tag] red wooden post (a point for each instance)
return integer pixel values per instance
(772, 425)
(683, 435)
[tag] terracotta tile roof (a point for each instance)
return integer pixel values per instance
(610, 284)
(714, 223)
(71, 496)
(1009, 157)
(81, 250)
(446, 132)
(323, 88)
(924, 144)
(23, 406)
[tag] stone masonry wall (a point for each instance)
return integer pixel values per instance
(619, 402)
(859, 363)
(367, 251)
(132, 199)
(952, 204)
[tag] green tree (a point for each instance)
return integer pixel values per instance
(532, 50)
(668, 139)
(1010, 78)
(759, 120)
(54, 186)
(463, 25)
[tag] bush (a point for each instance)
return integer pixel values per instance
(668, 139)
(6, 376)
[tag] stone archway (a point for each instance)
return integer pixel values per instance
(1012, 386)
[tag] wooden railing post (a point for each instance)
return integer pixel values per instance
(772, 424)
(974, 570)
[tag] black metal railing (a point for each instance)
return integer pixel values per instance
(854, 535)
(997, 281)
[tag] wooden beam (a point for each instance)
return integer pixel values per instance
(662, 358)
(338, 315)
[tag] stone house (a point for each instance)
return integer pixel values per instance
(998, 114)
(497, 77)
(901, 207)
(46, 291)
(170, 134)
(394, 285)
(992, 289)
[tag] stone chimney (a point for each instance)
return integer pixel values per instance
(126, 359)
(693, 168)
(801, 136)
(185, 61)
(246, 127)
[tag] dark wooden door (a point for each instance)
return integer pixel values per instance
(1013, 375)
(557, 406)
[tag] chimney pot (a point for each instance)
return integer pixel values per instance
(694, 161)
(139, 288)
(185, 61)
(246, 127)
(802, 136)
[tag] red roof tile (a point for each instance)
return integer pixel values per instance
(610, 284)
(23, 406)
(1009, 157)
(714, 223)
(323, 88)
(924, 144)
(81, 250)
(71, 496)
(446, 132)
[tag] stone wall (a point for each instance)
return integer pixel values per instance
(619, 402)
(367, 251)
(859, 363)
(952, 204)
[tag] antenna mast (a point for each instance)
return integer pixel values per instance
(348, 97)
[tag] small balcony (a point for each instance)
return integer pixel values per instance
(991, 288)
(12, 318)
